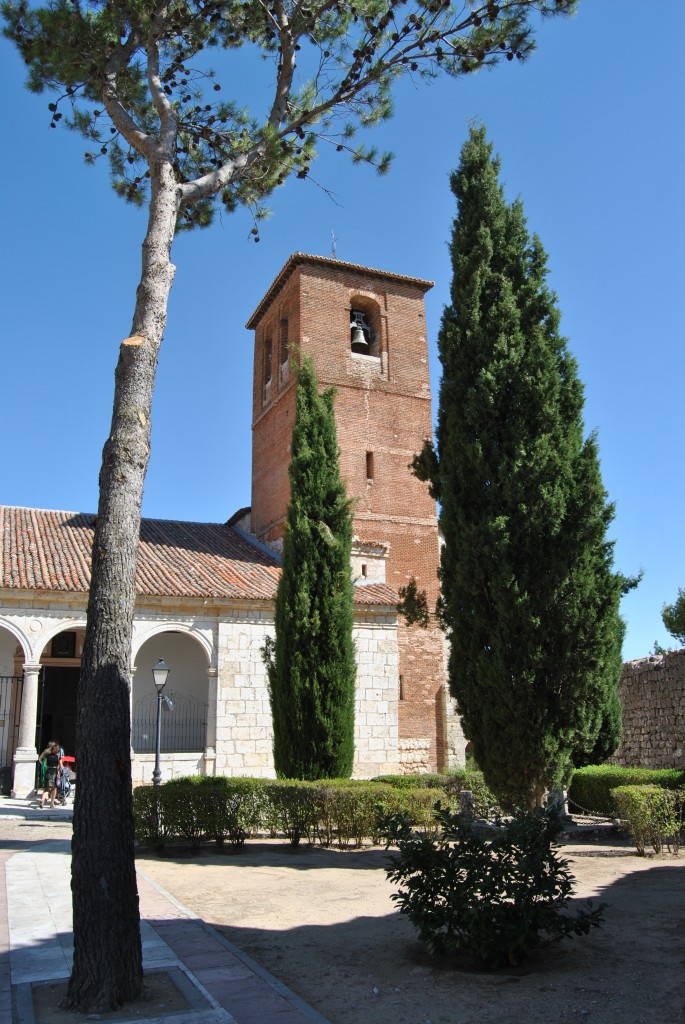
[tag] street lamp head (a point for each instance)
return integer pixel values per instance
(159, 674)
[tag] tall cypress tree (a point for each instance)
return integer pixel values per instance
(312, 665)
(530, 599)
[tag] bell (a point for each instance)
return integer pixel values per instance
(360, 342)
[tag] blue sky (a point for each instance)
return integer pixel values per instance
(590, 132)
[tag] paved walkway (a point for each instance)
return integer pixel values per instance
(220, 983)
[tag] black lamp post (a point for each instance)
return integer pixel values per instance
(159, 674)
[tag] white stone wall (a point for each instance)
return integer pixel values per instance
(232, 674)
(244, 734)
(172, 766)
(243, 714)
(377, 696)
(455, 739)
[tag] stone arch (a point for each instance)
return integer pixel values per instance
(20, 636)
(53, 628)
(191, 687)
(11, 687)
(169, 626)
(58, 682)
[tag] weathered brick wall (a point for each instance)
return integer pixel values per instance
(652, 692)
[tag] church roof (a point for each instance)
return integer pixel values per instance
(50, 551)
(299, 258)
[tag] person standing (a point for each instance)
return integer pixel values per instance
(53, 764)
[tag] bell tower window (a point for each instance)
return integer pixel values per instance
(283, 350)
(268, 352)
(364, 327)
(362, 336)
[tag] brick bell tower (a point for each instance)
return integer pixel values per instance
(365, 331)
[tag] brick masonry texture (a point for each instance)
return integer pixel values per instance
(652, 692)
(383, 416)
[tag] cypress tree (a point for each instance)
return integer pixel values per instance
(530, 599)
(311, 666)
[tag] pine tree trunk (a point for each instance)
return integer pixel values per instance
(108, 966)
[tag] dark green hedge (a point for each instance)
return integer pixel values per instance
(590, 788)
(431, 780)
(198, 809)
(452, 783)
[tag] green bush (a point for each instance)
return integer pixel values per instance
(230, 807)
(452, 783)
(470, 778)
(291, 809)
(495, 893)
(150, 826)
(430, 780)
(590, 788)
(200, 809)
(418, 807)
(652, 816)
(239, 810)
(345, 811)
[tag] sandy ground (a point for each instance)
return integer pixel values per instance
(323, 922)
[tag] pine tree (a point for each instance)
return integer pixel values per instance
(530, 599)
(131, 78)
(312, 666)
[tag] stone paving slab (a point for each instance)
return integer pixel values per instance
(36, 940)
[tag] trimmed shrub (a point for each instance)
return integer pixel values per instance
(418, 807)
(452, 783)
(348, 811)
(495, 893)
(151, 828)
(200, 809)
(291, 809)
(431, 780)
(485, 804)
(590, 788)
(239, 810)
(652, 816)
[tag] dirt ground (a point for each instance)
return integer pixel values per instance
(323, 922)
(161, 998)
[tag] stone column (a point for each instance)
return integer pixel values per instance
(210, 735)
(26, 755)
(212, 698)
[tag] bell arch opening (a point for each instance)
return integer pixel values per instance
(365, 327)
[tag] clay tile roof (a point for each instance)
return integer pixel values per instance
(298, 258)
(375, 594)
(46, 550)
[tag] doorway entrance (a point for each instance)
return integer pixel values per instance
(57, 707)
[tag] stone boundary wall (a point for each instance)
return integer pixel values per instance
(652, 692)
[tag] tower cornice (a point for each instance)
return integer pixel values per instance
(300, 259)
